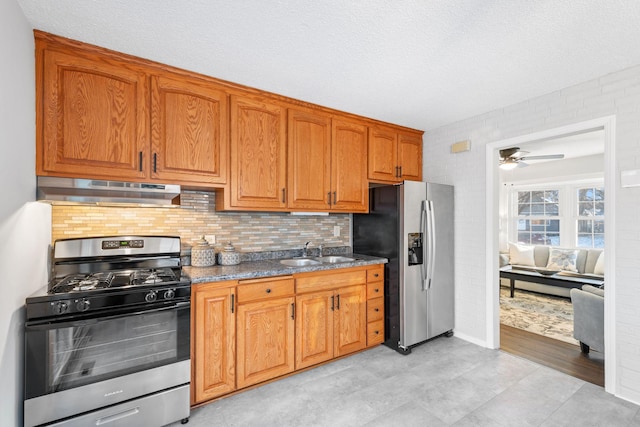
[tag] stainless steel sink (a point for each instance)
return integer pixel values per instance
(333, 259)
(299, 262)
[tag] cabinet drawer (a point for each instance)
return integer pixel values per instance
(375, 332)
(330, 280)
(251, 290)
(375, 274)
(375, 309)
(375, 290)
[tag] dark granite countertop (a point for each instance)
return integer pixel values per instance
(268, 268)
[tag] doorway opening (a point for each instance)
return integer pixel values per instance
(501, 196)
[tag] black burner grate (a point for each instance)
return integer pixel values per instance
(83, 282)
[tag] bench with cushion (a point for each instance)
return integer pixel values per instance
(576, 267)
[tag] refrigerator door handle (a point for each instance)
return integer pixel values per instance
(424, 272)
(431, 228)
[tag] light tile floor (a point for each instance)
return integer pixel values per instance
(444, 382)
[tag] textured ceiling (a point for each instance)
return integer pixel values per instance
(419, 63)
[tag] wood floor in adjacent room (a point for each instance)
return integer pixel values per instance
(559, 355)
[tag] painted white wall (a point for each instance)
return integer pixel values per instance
(616, 94)
(25, 226)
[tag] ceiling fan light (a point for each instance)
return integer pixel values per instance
(508, 164)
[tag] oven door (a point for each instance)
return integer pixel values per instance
(107, 358)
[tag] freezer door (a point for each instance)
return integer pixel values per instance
(440, 254)
(413, 293)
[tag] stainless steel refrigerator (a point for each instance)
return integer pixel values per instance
(411, 224)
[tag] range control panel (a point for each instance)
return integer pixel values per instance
(122, 244)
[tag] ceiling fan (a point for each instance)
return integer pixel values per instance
(511, 158)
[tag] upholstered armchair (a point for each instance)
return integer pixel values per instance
(588, 317)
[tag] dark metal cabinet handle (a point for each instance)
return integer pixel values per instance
(376, 310)
(329, 198)
(155, 162)
(397, 173)
(293, 311)
(332, 303)
(376, 290)
(375, 275)
(233, 300)
(140, 161)
(284, 195)
(338, 302)
(335, 200)
(268, 291)
(400, 174)
(377, 332)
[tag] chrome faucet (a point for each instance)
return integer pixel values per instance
(304, 250)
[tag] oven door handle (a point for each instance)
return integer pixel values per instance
(93, 318)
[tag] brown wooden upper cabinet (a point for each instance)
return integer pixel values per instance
(326, 163)
(258, 156)
(94, 116)
(394, 156)
(109, 118)
(189, 139)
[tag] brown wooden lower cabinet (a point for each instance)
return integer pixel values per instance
(265, 340)
(330, 324)
(250, 331)
(213, 340)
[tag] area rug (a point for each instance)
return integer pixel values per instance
(541, 314)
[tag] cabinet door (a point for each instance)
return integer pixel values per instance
(258, 154)
(189, 137)
(314, 328)
(410, 156)
(95, 119)
(350, 320)
(350, 188)
(383, 155)
(214, 339)
(309, 160)
(265, 340)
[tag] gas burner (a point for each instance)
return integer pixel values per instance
(83, 282)
(152, 277)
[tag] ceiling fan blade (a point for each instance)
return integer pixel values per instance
(505, 153)
(543, 157)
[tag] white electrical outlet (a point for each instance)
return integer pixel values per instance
(336, 231)
(210, 238)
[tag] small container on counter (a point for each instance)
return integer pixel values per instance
(229, 255)
(202, 254)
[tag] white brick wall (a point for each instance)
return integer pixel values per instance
(615, 94)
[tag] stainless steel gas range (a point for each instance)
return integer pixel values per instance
(107, 341)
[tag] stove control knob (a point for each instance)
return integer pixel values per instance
(60, 307)
(169, 294)
(83, 304)
(151, 296)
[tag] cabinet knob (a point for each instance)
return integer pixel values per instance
(377, 332)
(376, 310)
(268, 291)
(375, 275)
(377, 290)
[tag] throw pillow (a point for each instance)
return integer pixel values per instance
(521, 255)
(599, 267)
(563, 259)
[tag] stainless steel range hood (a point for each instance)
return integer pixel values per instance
(105, 193)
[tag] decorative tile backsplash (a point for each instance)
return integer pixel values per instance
(249, 231)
